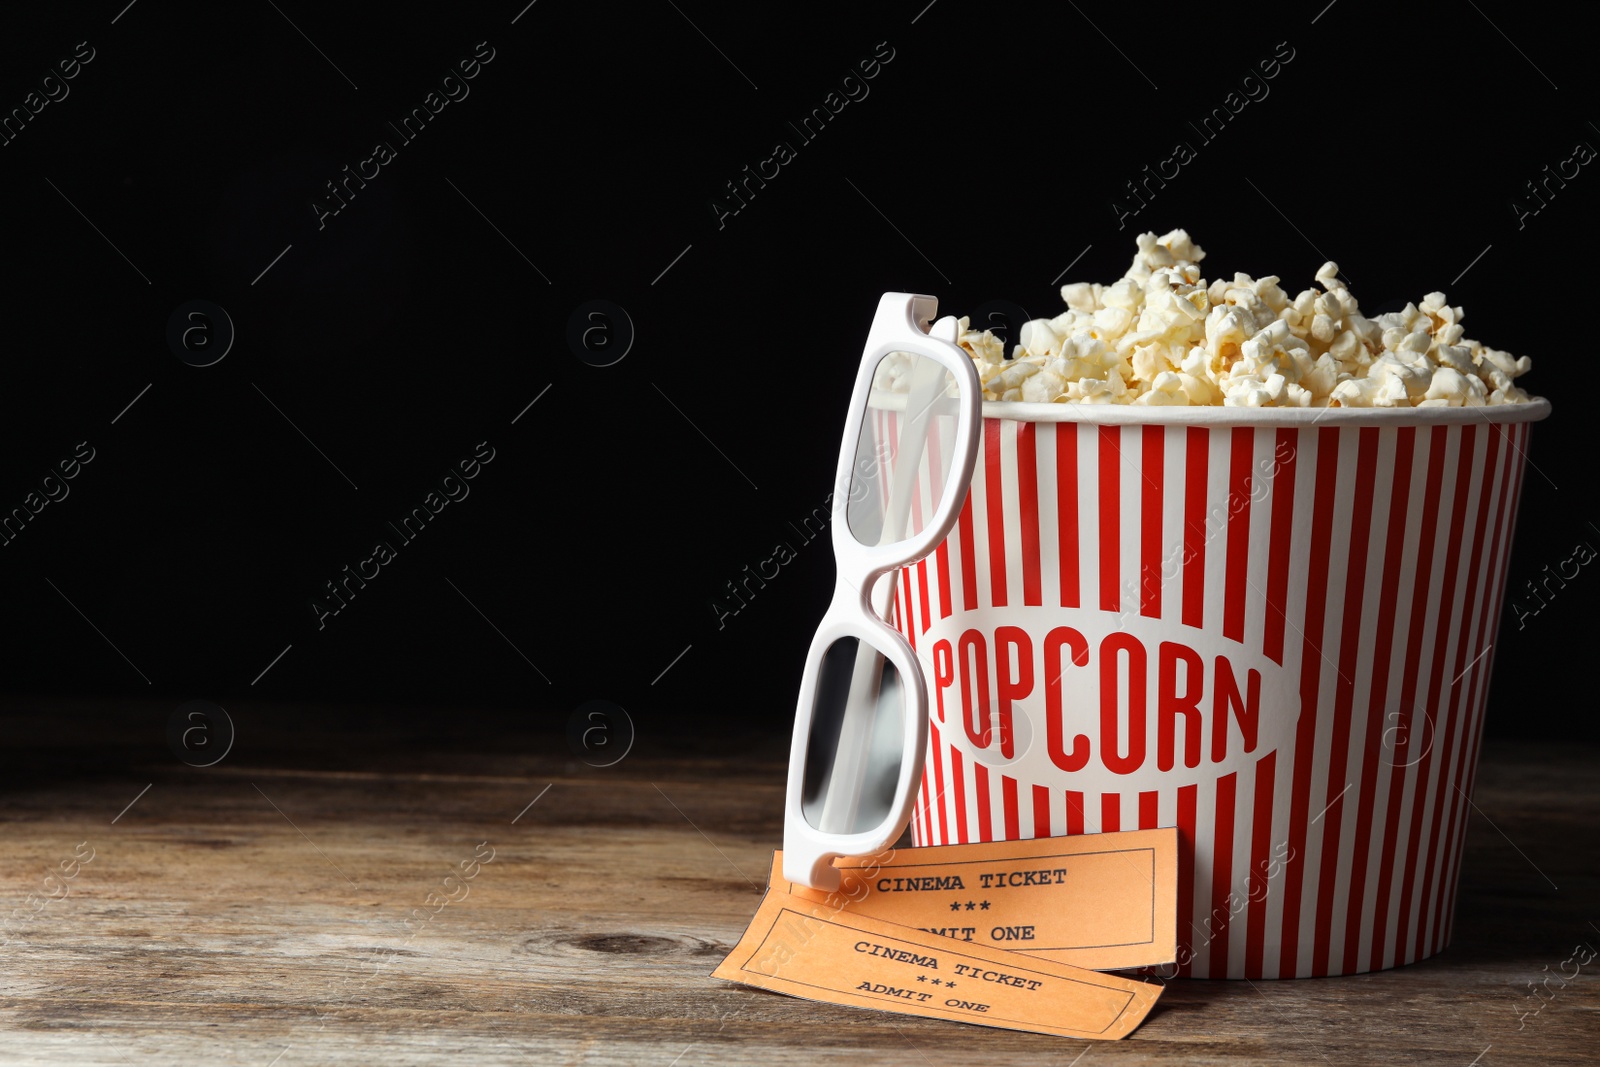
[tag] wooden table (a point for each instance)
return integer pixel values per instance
(255, 912)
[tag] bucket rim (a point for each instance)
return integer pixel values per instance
(1536, 409)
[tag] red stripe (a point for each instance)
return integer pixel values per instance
(1238, 561)
(1041, 811)
(1279, 546)
(1186, 931)
(1153, 466)
(1519, 441)
(1355, 586)
(938, 786)
(1444, 791)
(924, 835)
(1028, 501)
(922, 594)
(1222, 873)
(1488, 623)
(1471, 709)
(1110, 519)
(969, 558)
(1149, 810)
(1008, 789)
(1310, 669)
(994, 512)
(1468, 438)
(942, 561)
(981, 784)
(927, 803)
(958, 779)
(925, 831)
(1423, 572)
(901, 616)
(1194, 526)
(1378, 695)
(1074, 812)
(908, 620)
(1110, 813)
(1067, 509)
(1261, 862)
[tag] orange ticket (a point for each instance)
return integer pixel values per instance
(1105, 901)
(808, 948)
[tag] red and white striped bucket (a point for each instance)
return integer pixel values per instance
(1271, 629)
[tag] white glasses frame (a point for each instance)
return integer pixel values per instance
(898, 326)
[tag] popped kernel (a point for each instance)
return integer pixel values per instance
(1162, 335)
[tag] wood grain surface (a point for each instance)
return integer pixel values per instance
(322, 896)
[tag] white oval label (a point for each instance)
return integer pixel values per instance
(1097, 701)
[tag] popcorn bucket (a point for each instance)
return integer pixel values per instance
(1270, 628)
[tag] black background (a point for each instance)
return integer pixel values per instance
(426, 315)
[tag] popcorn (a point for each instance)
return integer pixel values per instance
(1039, 339)
(1161, 335)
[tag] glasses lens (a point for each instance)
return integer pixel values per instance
(857, 740)
(902, 462)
